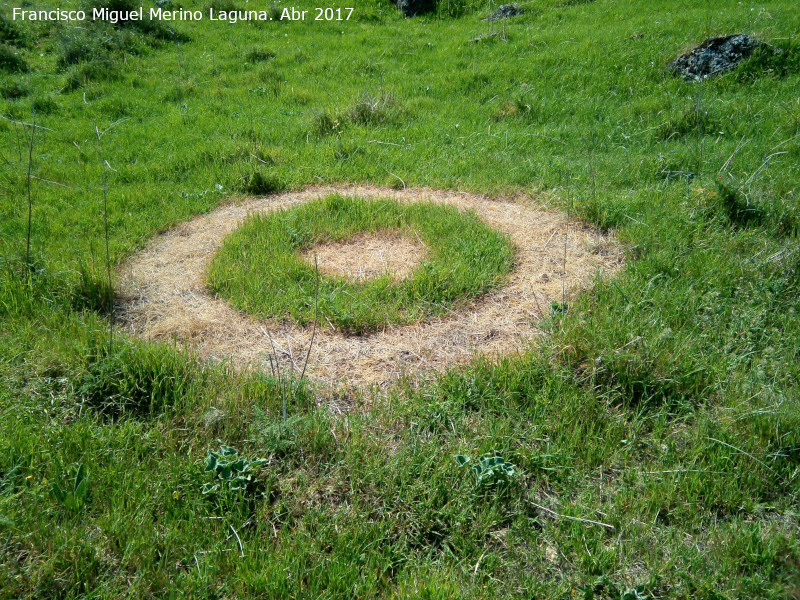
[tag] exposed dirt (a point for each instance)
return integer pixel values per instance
(164, 294)
(368, 256)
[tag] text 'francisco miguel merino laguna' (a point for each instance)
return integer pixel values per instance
(231, 16)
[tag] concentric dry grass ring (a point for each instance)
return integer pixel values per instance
(165, 294)
(260, 268)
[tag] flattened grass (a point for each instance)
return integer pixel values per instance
(259, 268)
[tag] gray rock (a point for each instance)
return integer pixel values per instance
(412, 8)
(714, 56)
(506, 11)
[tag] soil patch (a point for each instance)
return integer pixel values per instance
(368, 256)
(164, 294)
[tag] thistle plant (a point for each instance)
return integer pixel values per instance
(490, 470)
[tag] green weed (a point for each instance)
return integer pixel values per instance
(231, 473)
(489, 470)
(74, 496)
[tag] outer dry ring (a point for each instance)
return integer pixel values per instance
(164, 295)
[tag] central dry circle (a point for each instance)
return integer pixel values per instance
(368, 256)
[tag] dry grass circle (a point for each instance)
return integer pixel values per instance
(164, 294)
(368, 256)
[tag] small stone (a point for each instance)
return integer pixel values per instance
(411, 8)
(506, 11)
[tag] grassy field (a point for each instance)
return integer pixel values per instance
(651, 446)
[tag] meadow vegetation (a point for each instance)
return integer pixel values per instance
(650, 447)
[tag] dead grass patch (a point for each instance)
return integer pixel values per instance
(368, 256)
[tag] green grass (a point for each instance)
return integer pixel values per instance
(664, 403)
(260, 270)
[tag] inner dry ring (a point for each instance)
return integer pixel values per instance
(367, 256)
(259, 269)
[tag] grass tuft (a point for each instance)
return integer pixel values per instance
(736, 208)
(259, 184)
(692, 121)
(95, 43)
(373, 110)
(92, 291)
(12, 34)
(367, 111)
(154, 29)
(14, 90)
(780, 59)
(257, 55)
(138, 380)
(11, 61)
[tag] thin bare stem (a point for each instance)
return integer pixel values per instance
(700, 128)
(564, 275)
(180, 77)
(578, 519)
(103, 165)
(30, 201)
(592, 174)
(539, 306)
(23, 123)
(726, 165)
(679, 471)
(5, 546)
(17, 138)
(547, 243)
(316, 312)
(241, 550)
(281, 379)
(762, 463)
(758, 170)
